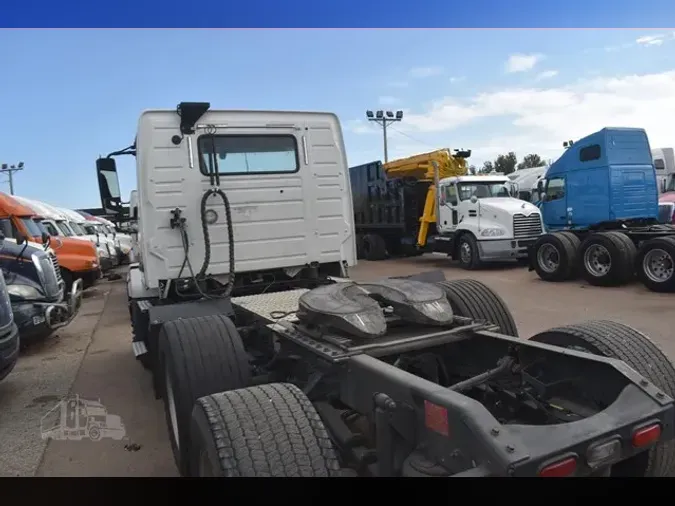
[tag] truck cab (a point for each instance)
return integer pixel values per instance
(478, 213)
(287, 201)
(605, 177)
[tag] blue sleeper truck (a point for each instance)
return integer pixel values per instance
(600, 209)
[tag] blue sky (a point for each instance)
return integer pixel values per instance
(68, 96)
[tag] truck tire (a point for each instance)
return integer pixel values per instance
(67, 277)
(576, 245)
(266, 430)
(359, 246)
(576, 242)
(616, 340)
(655, 264)
(139, 332)
(472, 299)
(467, 252)
(374, 247)
(198, 356)
(555, 256)
(605, 259)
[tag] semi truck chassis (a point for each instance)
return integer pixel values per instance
(250, 389)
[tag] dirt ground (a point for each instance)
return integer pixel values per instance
(92, 358)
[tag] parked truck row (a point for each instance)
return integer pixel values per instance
(241, 303)
(49, 255)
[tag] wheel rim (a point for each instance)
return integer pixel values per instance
(658, 265)
(548, 258)
(465, 252)
(205, 470)
(597, 260)
(171, 404)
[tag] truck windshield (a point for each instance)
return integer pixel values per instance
(31, 227)
(90, 229)
(64, 228)
(76, 228)
(482, 190)
(41, 227)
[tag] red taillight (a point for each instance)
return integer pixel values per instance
(646, 435)
(560, 469)
(436, 418)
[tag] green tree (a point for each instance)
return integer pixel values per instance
(506, 163)
(488, 167)
(530, 161)
(472, 170)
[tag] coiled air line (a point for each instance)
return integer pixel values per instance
(214, 177)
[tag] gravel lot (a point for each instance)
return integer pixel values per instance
(92, 358)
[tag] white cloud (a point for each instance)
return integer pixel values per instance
(388, 100)
(538, 119)
(424, 72)
(651, 40)
(522, 62)
(456, 79)
(547, 74)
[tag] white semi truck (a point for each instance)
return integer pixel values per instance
(256, 340)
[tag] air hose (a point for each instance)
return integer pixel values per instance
(207, 237)
(178, 222)
(214, 176)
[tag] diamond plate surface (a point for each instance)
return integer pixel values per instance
(267, 303)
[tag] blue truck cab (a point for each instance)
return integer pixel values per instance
(607, 176)
(601, 213)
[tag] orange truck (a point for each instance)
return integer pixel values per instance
(78, 259)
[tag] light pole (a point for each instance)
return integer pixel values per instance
(10, 170)
(384, 118)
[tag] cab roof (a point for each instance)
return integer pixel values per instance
(11, 206)
(608, 146)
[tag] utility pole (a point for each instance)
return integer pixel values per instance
(384, 118)
(10, 170)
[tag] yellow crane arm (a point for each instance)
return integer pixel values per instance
(422, 168)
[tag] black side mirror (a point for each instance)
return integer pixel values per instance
(45, 237)
(20, 239)
(109, 185)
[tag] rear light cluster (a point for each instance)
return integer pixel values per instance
(602, 453)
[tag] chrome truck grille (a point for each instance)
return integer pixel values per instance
(57, 267)
(526, 226)
(50, 277)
